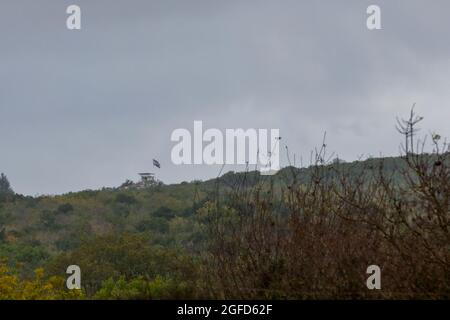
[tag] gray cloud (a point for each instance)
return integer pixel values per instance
(91, 108)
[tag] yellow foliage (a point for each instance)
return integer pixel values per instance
(38, 288)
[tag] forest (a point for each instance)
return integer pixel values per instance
(304, 233)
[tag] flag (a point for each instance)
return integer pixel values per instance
(156, 164)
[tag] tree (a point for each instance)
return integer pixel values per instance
(40, 287)
(5, 187)
(408, 129)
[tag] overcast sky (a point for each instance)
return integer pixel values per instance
(91, 108)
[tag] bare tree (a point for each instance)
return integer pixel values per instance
(408, 129)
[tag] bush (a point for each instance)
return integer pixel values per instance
(139, 288)
(38, 288)
(125, 199)
(65, 208)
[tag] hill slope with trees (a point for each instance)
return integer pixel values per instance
(242, 235)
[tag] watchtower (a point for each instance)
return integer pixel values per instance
(147, 178)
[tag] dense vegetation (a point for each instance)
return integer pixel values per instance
(303, 233)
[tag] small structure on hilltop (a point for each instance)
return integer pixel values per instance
(147, 179)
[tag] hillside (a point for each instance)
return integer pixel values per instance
(35, 228)
(120, 233)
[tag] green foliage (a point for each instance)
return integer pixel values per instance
(65, 208)
(155, 224)
(48, 219)
(6, 192)
(141, 289)
(68, 243)
(5, 187)
(164, 212)
(124, 256)
(28, 256)
(125, 199)
(2, 234)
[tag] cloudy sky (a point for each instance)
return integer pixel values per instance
(91, 108)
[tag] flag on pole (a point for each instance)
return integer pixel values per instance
(156, 163)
